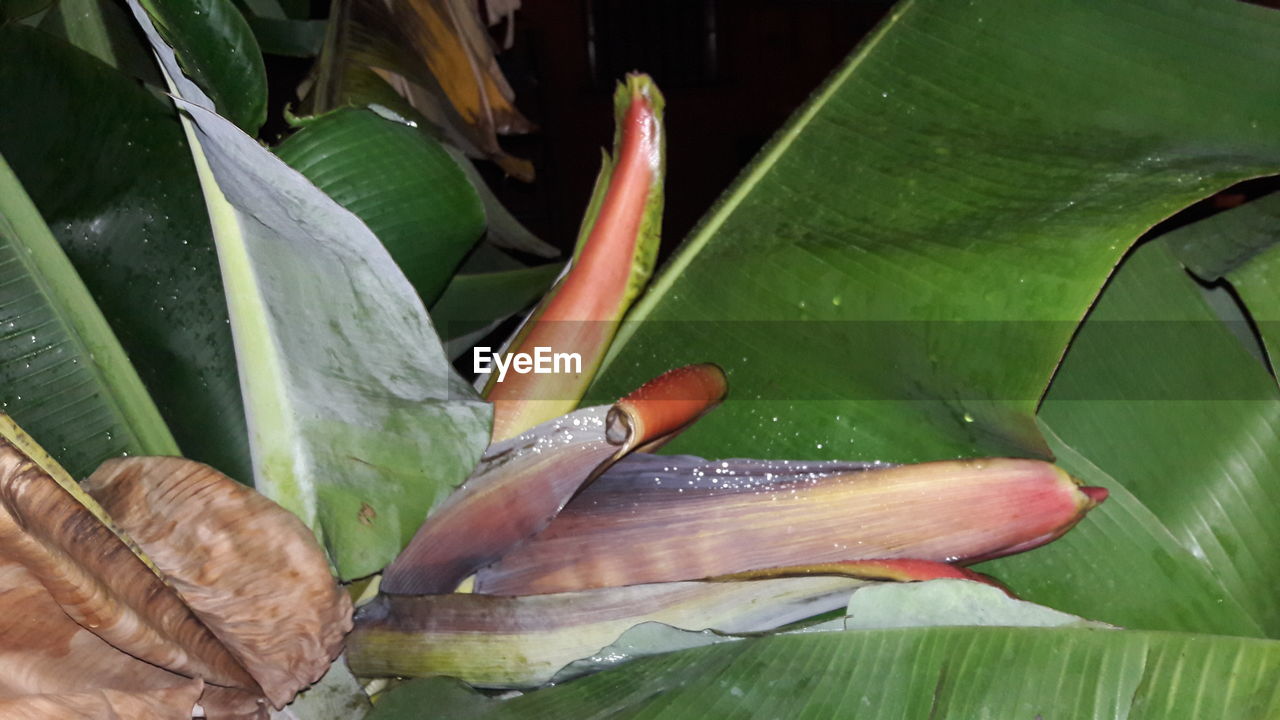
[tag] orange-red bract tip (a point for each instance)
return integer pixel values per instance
(672, 400)
(1096, 494)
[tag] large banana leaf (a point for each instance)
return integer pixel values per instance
(1013, 660)
(916, 246)
(897, 277)
(949, 672)
(216, 48)
(1125, 567)
(1242, 246)
(63, 374)
(103, 29)
(400, 182)
(357, 422)
(1159, 394)
(107, 165)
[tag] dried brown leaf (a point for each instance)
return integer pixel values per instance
(435, 54)
(91, 626)
(97, 580)
(160, 704)
(45, 652)
(251, 571)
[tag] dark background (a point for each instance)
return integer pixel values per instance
(732, 72)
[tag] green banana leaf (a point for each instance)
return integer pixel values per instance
(217, 50)
(400, 182)
(1049, 665)
(950, 672)
(283, 36)
(15, 10)
(103, 29)
(475, 302)
(923, 239)
(369, 90)
(107, 165)
(357, 423)
(1156, 392)
(1242, 246)
(924, 235)
(64, 376)
(1123, 566)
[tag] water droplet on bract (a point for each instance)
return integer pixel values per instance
(968, 418)
(837, 300)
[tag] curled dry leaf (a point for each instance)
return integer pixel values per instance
(88, 621)
(252, 572)
(46, 657)
(437, 56)
(161, 704)
(97, 579)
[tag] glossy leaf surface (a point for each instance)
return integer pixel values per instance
(64, 373)
(1159, 394)
(217, 49)
(474, 301)
(108, 167)
(402, 184)
(1077, 673)
(923, 236)
(1123, 566)
(105, 30)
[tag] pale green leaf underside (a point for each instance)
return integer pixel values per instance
(357, 422)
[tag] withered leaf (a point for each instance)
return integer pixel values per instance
(251, 571)
(97, 579)
(236, 608)
(435, 54)
(160, 704)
